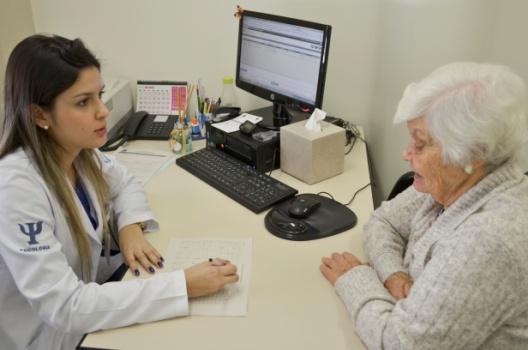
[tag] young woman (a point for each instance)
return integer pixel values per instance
(60, 202)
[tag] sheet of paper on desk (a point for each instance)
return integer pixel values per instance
(144, 164)
(233, 125)
(233, 299)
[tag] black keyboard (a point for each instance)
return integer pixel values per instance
(236, 179)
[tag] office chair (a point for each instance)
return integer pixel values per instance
(401, 184)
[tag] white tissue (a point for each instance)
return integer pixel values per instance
(314, 122)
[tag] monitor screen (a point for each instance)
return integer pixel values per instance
(283, 59)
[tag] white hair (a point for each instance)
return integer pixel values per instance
(475, 111)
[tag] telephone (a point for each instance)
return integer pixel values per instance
(142, 126)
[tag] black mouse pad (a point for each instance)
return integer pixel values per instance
(328, 219)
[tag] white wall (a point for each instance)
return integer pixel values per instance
(377, 48)
(415, 38)
(169, 39)
(508, 43)
(16, 22)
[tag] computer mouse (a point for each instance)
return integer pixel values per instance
(247, 127)
(303, 206)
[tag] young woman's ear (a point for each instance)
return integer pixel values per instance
(41, 118)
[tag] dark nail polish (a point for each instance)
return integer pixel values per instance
(160, 264)
(151, 269)
(136, 272)
(161, 258)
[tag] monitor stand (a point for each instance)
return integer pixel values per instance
(273, 117)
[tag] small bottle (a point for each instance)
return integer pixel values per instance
(228, 98)
(188, 140)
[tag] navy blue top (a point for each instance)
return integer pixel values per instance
(83, 197)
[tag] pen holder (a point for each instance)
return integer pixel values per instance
(203, 118)
(181, 139)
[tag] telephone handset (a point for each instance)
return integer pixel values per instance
(133, 123)
(142, 126)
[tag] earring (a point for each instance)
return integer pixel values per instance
(468, 169)
(46, 127)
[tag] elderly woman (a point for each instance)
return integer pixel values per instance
(448, 257)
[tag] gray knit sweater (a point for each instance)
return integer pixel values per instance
(469, 265)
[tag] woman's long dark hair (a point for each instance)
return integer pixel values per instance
(38, 70)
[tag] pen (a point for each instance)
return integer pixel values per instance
(198, 98)
(218, 261)
(142, 153)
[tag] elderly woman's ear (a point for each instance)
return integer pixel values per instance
(478, 165)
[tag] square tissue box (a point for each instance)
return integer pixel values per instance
(311, 156)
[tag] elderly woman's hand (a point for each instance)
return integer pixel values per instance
(399, 285)
(335, 266)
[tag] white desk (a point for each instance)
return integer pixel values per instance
(291, 305)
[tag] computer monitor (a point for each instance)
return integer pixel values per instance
(282, 60)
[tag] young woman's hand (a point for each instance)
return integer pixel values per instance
(137, 250)
(209, 277)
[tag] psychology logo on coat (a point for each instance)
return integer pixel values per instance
(32, 229)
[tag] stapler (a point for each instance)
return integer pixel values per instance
(225, 113)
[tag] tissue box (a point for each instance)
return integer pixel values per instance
(312, 156)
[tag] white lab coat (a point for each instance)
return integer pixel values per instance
(44, 304)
